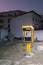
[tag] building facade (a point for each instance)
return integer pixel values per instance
(30, 18)
(5, 21)
(11, 21)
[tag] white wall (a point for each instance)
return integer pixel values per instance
(3, 33)
(16, 24)
(38, 34)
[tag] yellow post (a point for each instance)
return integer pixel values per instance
(28, 44)
(32, 35)
(28, 47)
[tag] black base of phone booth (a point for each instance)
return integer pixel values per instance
(27, 38)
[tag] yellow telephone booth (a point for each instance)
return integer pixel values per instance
(28, 36)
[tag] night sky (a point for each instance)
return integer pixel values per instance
(25, 5)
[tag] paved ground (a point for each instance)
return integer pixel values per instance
(14, 54)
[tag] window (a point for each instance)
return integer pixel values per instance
(14, 14)
(1, 16)
(1, 26)
(9, 15)
(8, 20)
(33, 18)
(1, 20)
(36, 19)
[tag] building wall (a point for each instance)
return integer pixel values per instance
(5, 24)
(3, 33)
(16, 24)
(36, 21)
(38, 34)
(26, 19)
(7, 15)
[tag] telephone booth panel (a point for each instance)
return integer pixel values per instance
(28, 36)
(28, 33)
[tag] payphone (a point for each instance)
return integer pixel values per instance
(28, 36)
